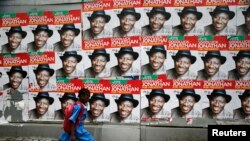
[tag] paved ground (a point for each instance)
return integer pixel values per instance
(26, 139)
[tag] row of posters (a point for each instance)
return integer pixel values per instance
(128, 101)
(42, 71)
(77, 30)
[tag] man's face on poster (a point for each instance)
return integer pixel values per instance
(125, 108)
(42, 106)
(188, 21)
(247, 21)
(182, 65)
(217, 104)
(97, 107)
(243, 66)
(156, 103)
(99, 63)
(15, 80)
(157, 21)
(156, 60)
(69, 64)
(125, 62)
(15, 40)
(212, 66)
(127, 22)
(42, 78)
(41, 38)
(220, 21)
(66, 102)
(97, 25)
(67, 38)
(186, 104)
(245, 104)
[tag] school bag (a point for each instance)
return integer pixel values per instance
(68, 112)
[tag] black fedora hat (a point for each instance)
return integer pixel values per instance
(184, 53)
(192, 10)
(161, 10)
(245, 94)
(98, 52)
(219, 92)
(17, 69)
(71, 54)
(99, 96)
(241, 54)
(158, 92)
(69, 27)
(128, 50)
(44, 95)
(189, 92)
(43, 28)
(158, 48)
(126, 11)
(127, 97)
(44, 67)
(222, 9)
(216, 54)
(100, 13)
(16, 29)
(246, 12)
(68, 96)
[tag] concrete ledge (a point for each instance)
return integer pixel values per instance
(107, 132)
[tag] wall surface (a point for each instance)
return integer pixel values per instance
(177, 130)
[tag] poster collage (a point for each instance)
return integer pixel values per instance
(142, 60)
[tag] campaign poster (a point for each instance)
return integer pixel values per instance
(97, 63)
(186, 103)
(67, 30)
(182, 64)
(15, 66)
(98, 20)
(36, 111)
(153, 60)
(127, 63)
(125, 101)
(213, 28)
(69, 64)
(99, 103)
(14, 87)
(127, 20)
(215, 65)
(188, 21)
(149, 112)
(226, 98)
(154, 88)
(13, 26)
(42, 76)
(40, 35)
(149, 26)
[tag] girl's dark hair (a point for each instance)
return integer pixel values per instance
(84, 92)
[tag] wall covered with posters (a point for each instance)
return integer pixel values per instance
(142, 60)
